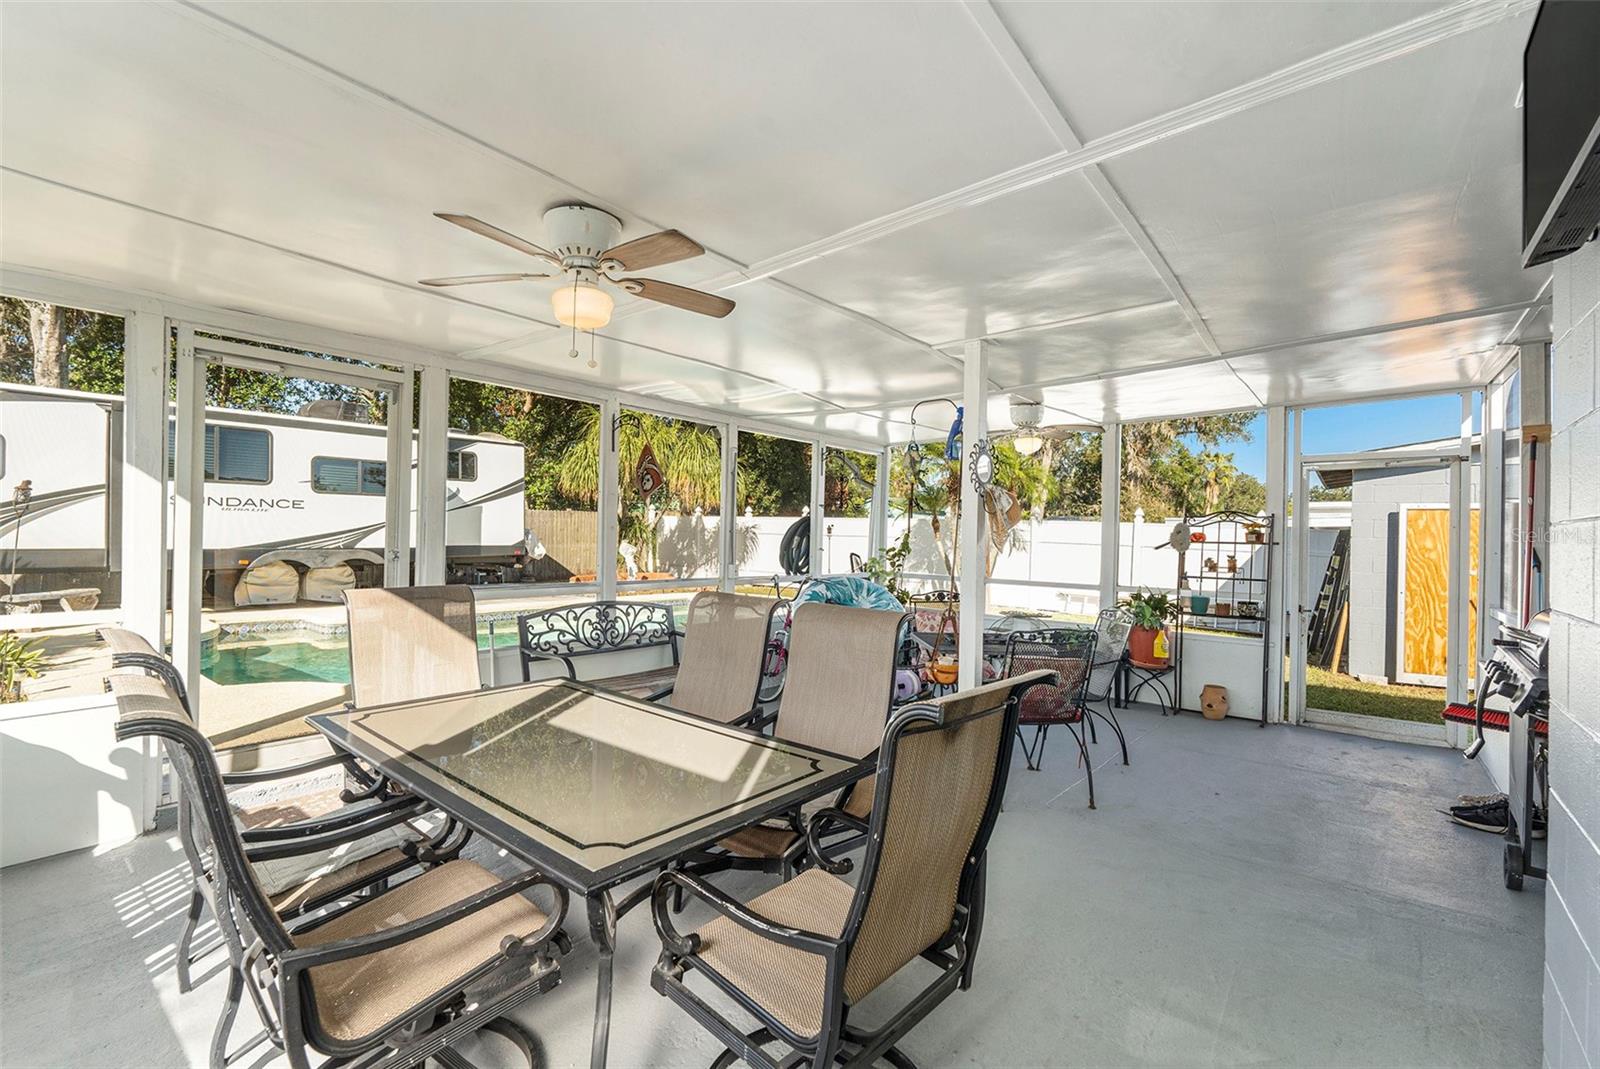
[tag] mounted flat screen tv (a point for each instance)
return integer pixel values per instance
(1560, 130)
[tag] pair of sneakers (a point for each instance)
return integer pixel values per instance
(1490, 812)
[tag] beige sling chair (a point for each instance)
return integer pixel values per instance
(391, 978)
(721, 657)
(411, 642)
(800, 957)
(836, 694)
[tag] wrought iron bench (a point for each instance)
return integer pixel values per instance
(600, 627)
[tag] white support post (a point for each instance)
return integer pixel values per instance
(1295, 581)
(188, 491)
(878, 524)
(1278, 509)
(1110, 513)
(397, 492)
(1491, 533)
(819, 521)
(610, 499)
(1457, 654)
(971, 582)
(143, 545)
(728, 531)
(433, 446)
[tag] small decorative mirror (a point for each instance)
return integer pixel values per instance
(981, 465)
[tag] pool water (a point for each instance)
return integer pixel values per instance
(302, 656)
(296, 660)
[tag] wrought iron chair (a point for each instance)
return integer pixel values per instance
(1113, 627)
(591, 628)
(721, 656)
(836, 695)
(1068, 652)
(388, 980)
(411, 642)
(799, 957)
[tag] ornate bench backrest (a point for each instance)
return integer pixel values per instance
(595, 627)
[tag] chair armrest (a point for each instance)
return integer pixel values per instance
(405, 806)
(815, 831)
(529, 658)
(267, 775)
(827, 946)
(359, 946)
(269, 849)
(656, 696)
(755, 719)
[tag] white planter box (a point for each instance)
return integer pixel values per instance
(1235, 663)
(66, 782)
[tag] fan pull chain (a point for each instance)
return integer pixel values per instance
(592, 362)
(573, 352)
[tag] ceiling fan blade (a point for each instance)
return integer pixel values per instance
(707, 304)
(470, 280)
(494, 233)
(653, 250)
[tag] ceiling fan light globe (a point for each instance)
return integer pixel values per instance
(582, 307)
(1027, 444)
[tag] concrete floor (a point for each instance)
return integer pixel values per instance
(1241, 897)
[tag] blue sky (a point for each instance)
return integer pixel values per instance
(1352, 428)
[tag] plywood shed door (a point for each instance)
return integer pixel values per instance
(1424, 623)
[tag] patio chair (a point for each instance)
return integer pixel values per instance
(721, 657)
(1068, 652)
(837, 689)
(411, 642)
(800, 957)
(393, 979)
(1112, 627)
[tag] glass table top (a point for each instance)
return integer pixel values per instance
(586, 783)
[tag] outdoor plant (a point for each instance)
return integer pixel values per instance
(885, 568)
(19, 659)
(1150, 609)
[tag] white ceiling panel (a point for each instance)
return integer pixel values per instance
(1154, 394)
(1110, 65)
(754, 127)
(1442, 356)
(780, 336)
(56, 230)
(1044, 254)
(1138, 337)
(1383, 198)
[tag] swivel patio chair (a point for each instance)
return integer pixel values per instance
(1068, 652)
(800, 957)
(721, 656)
(390, 980)
(837, 688)
(411, 642)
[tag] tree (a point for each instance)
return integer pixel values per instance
(51, 345)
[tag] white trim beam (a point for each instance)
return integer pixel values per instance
(1110, 512)
(1277, 587)
(970, 582)
(433, 445)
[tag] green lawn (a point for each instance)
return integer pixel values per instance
(1344, 694)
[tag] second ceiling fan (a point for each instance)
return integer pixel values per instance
(585, 253)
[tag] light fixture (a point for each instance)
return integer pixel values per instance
(582, 306)
(1027, 443)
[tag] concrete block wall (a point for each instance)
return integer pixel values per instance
(1376, 497)
(1572, 895)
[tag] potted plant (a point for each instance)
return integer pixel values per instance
(1150, 610)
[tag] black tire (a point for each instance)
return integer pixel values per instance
(1513, 867)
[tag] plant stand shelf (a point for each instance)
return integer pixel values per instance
(1228, 561)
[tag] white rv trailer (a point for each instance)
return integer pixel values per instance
(300, 489)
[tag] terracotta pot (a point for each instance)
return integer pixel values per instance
(1141, 645)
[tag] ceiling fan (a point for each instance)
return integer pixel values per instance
(585, 254)
(1026, 436)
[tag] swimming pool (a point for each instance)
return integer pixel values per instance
(295, 657)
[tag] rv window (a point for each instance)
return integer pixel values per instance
(461, 467)
(246, 454)
(238, 455)
(346, 475)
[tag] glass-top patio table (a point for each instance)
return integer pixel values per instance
(591, 788)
